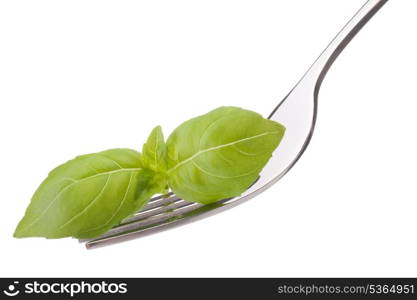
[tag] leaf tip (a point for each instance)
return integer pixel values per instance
(18, 233)
(157, 129)
(21, 230)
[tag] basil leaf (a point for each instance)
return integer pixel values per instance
(220, 154)
(206, 159)
(154, 151)
(88, 195)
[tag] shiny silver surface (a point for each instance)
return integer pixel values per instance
(297, 112)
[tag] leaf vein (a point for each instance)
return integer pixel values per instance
(117, 210)
(88, 206)
(219, 147)
(243, 152)
(219, 176)
(207, 128)
(156, 150)
(112, 160)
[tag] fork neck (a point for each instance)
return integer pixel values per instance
(318, 70)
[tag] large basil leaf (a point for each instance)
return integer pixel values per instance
(220, 154)
(88, 195)
(154, 151)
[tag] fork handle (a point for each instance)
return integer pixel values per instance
(319, 68)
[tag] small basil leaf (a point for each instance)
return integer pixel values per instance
(220, 154)
(88, 195)
(154, 151)
(149, 184)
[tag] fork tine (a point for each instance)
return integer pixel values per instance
(160, 196)
(143, 214)
(179, 212)
(116, 233)
(151, 220)
(149, 225)
(156, 205)
(159, 200)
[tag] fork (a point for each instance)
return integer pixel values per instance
(297, 111)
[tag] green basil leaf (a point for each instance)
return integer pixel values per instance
(154, 151)
(220, 154)
(88, 195)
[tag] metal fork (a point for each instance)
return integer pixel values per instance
(297, 112)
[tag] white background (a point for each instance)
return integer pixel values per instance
(84, 76)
